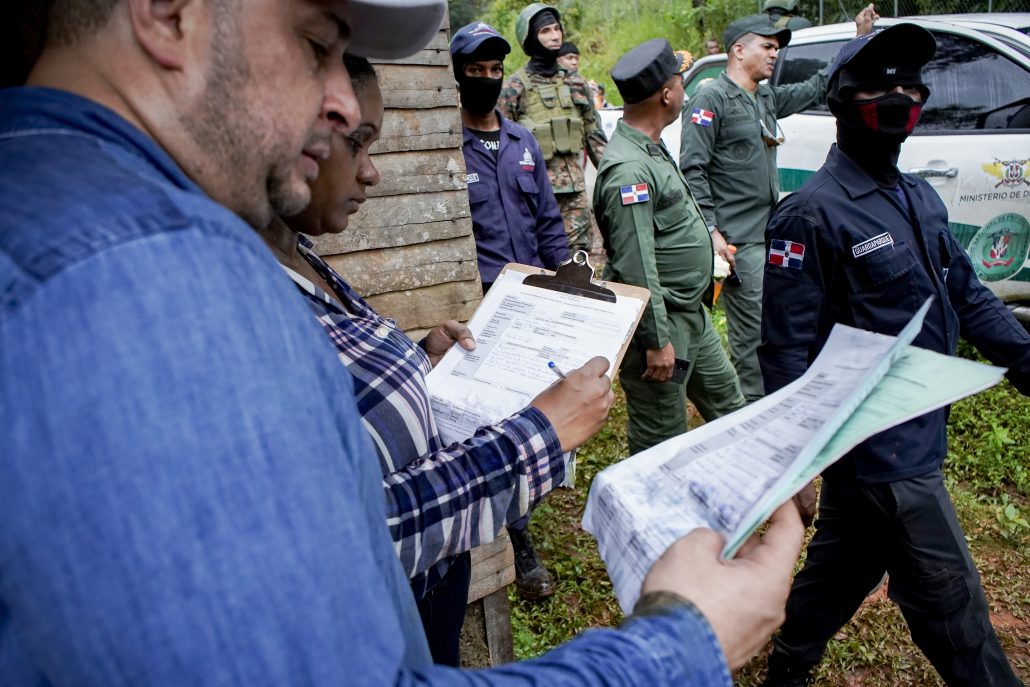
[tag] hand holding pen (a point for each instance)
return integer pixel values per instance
(578, 404)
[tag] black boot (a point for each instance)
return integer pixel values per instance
(785, 671)
(531, 577)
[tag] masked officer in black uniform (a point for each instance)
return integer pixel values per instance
(869, 245)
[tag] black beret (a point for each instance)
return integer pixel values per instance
(643, 70)
(568, 48)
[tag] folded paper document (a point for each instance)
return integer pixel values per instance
(730, 474)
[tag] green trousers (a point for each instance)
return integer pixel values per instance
(659, 411)
(743, 306)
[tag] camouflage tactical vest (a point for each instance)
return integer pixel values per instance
(551, 116)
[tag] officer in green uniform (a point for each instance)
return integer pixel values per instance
(558, 108)
(728, 156)
(656, 237)
(784, 14)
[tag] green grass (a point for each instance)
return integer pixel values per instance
(987, 472)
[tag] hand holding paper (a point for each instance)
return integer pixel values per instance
(743, 599)
(441, 337)
(729, 474)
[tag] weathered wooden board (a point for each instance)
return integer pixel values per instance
(406, 210)
(417, 87)
(415, 209)
(370, 238)
(408, 267)
(422, 171)
(425, 308)
(493, 567)
(425, 129)
(403, 220)
(497, 618)
(436, 53)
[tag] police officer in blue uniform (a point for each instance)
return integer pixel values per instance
(867, 245)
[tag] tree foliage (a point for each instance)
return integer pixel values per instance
(604, 30)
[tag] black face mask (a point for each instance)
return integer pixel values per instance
(479, 93)
(893, 114)
(871, 131)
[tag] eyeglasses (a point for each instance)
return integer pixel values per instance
(768, 137)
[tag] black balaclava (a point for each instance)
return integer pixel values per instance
(478, 93)
(541, 60)
(871, 132)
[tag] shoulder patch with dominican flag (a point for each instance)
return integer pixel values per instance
(701, 116)
(786, 254)
(637, 193)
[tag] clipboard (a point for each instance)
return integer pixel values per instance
(575, 277)
(529, 315)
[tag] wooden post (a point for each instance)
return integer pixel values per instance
(493, 569)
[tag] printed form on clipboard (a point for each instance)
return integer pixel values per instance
(531, 317)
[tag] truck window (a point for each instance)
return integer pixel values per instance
(799, 62)
(972, 87)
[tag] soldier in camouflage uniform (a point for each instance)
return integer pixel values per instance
(784, 14)
(558, 108)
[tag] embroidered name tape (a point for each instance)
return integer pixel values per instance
(637, 193)
(786, 254)
(873, 244)
(471, 178)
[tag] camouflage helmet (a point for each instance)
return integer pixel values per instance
(784, 5)
(526, 16)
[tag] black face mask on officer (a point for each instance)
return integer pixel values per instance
(870, 131)
(479, 93)
(892, 115)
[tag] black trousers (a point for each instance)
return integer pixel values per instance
(909, 530)
(443, 611)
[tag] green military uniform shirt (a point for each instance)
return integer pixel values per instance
(731, 171)
(656, 236)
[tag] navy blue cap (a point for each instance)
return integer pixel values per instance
(479, 40)
(643, 70)
(894, 55)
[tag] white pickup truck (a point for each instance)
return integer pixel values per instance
(972, 143)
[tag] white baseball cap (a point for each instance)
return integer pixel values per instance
(392, 29)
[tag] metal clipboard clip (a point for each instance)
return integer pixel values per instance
(575, 277)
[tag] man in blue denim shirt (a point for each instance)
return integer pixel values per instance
(166, 521)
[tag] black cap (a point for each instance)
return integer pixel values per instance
(643, 70)
(568, 48)
(888, 57)
(753, 23)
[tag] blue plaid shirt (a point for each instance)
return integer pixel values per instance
(462, 494)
